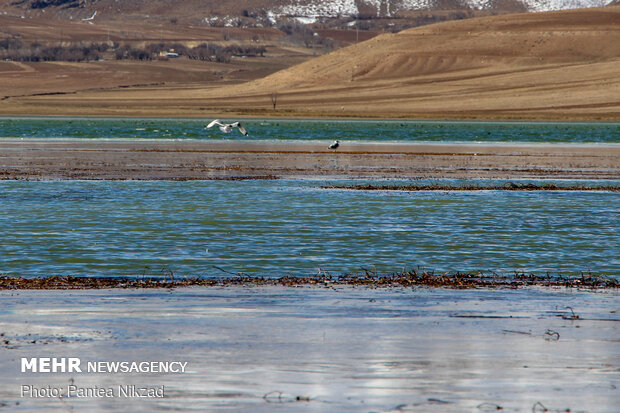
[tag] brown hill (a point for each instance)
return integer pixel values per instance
(536, 66)
(524, 65)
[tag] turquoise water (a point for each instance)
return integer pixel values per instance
(356, 130)
(282, 227)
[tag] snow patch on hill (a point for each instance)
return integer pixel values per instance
(532, 5)
(335, 8)
(319, 8)
(549, 5)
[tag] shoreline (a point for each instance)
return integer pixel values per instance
(198, 113)
(43, 159)
(309, 117)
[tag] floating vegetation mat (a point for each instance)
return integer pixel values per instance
(404, 279)
(475, 187)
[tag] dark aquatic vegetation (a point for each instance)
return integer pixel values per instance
(511, 186)
(414, 278)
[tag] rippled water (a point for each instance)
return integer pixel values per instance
(276, 228)
(362, 130)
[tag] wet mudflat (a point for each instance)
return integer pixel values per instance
(35, 159)
(343, 348)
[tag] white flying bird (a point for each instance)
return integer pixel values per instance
(227, 127)
(91, 17)
(334, 145)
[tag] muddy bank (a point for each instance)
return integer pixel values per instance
(191, 160)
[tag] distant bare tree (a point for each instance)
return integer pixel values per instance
(274, 100)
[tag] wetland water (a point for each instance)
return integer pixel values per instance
(303, 130)
(293, 227)
(313, 349)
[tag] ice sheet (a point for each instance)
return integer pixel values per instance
(321, 349)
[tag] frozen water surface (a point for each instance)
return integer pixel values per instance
(318, 349)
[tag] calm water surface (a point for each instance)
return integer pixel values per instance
(356, 130)
(276, 228)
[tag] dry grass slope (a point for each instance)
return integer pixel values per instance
(558, 64)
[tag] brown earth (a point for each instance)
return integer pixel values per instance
(22, 81)
(557, 65)
(538, 65)
(185, 160)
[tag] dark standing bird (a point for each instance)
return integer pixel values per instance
(334, 145)
(227, 127)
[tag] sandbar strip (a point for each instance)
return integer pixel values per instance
(35, 159)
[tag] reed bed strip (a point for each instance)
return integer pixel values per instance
(475, 187)
(414, 278)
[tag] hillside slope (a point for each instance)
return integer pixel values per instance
(521, 65)
(551, 65)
